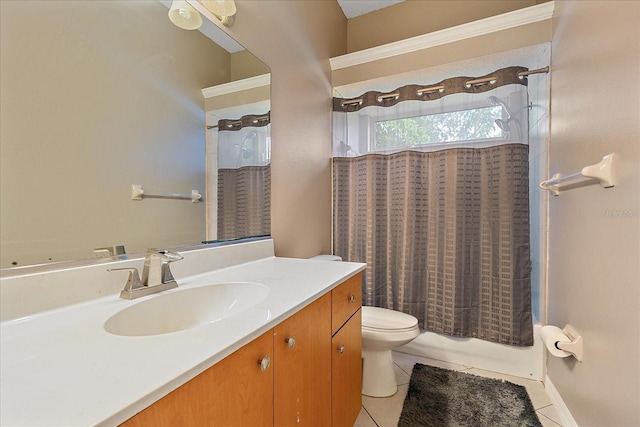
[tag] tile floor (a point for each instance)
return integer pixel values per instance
(385, 412)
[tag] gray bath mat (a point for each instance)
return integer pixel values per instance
(440, 397)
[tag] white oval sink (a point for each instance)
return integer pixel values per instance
(185, 309)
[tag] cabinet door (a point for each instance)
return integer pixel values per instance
(302, 367)
(346, 299)
(346, 372)
(237, 391)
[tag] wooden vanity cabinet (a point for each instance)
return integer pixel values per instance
(237, 391)
(313, 380)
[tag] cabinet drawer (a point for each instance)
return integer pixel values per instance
(345, 300)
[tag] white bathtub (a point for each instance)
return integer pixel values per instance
(525, 362)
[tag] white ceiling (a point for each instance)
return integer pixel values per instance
(353, 8)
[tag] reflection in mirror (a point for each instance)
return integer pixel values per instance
(239, 152)
(97, 96)
(244, 177)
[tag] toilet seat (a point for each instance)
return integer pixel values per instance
(385, 320)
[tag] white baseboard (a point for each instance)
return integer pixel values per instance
(563, 412)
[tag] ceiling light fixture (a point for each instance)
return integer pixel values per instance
(184, 16)
(224, 10)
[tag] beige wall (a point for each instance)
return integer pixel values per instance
(415, 17)
(594, 237)
(90, 106)
(296, 39)
(241, 97)
(244, 64)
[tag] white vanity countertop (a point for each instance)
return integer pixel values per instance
(61, 367)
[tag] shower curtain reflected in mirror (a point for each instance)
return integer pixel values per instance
(244, 177)
(433, 195)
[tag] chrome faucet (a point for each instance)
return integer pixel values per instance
(156, 275)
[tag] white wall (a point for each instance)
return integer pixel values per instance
(594, 236)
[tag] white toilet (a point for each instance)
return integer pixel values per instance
(382, 331)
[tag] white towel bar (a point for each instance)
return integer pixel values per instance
(137, 193)
(602, 171)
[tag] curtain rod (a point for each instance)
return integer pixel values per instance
(237, 124)
(523, 74)
(492, 79)
(464, 84)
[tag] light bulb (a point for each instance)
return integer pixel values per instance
(184, 16)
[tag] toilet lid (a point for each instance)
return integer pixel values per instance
(385, 319)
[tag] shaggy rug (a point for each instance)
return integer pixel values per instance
(441, 397)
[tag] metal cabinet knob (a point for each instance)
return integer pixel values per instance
(291, 341)
(264, 363)
(341, 349)
(352, 298)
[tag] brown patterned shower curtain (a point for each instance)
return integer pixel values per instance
(444, 234)
(244, 202)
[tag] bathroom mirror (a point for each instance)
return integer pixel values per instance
(97, 97)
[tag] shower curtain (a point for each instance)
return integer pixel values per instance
(244, 177)
(440, 215)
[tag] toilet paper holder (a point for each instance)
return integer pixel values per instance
(574, 345)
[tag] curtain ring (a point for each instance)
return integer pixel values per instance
(348, 102)
(382, 98)
(428, 90)
(491, 80)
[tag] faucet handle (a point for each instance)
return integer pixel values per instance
(165, 255)
(168, 256)
(160, 273)
(133, 282)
